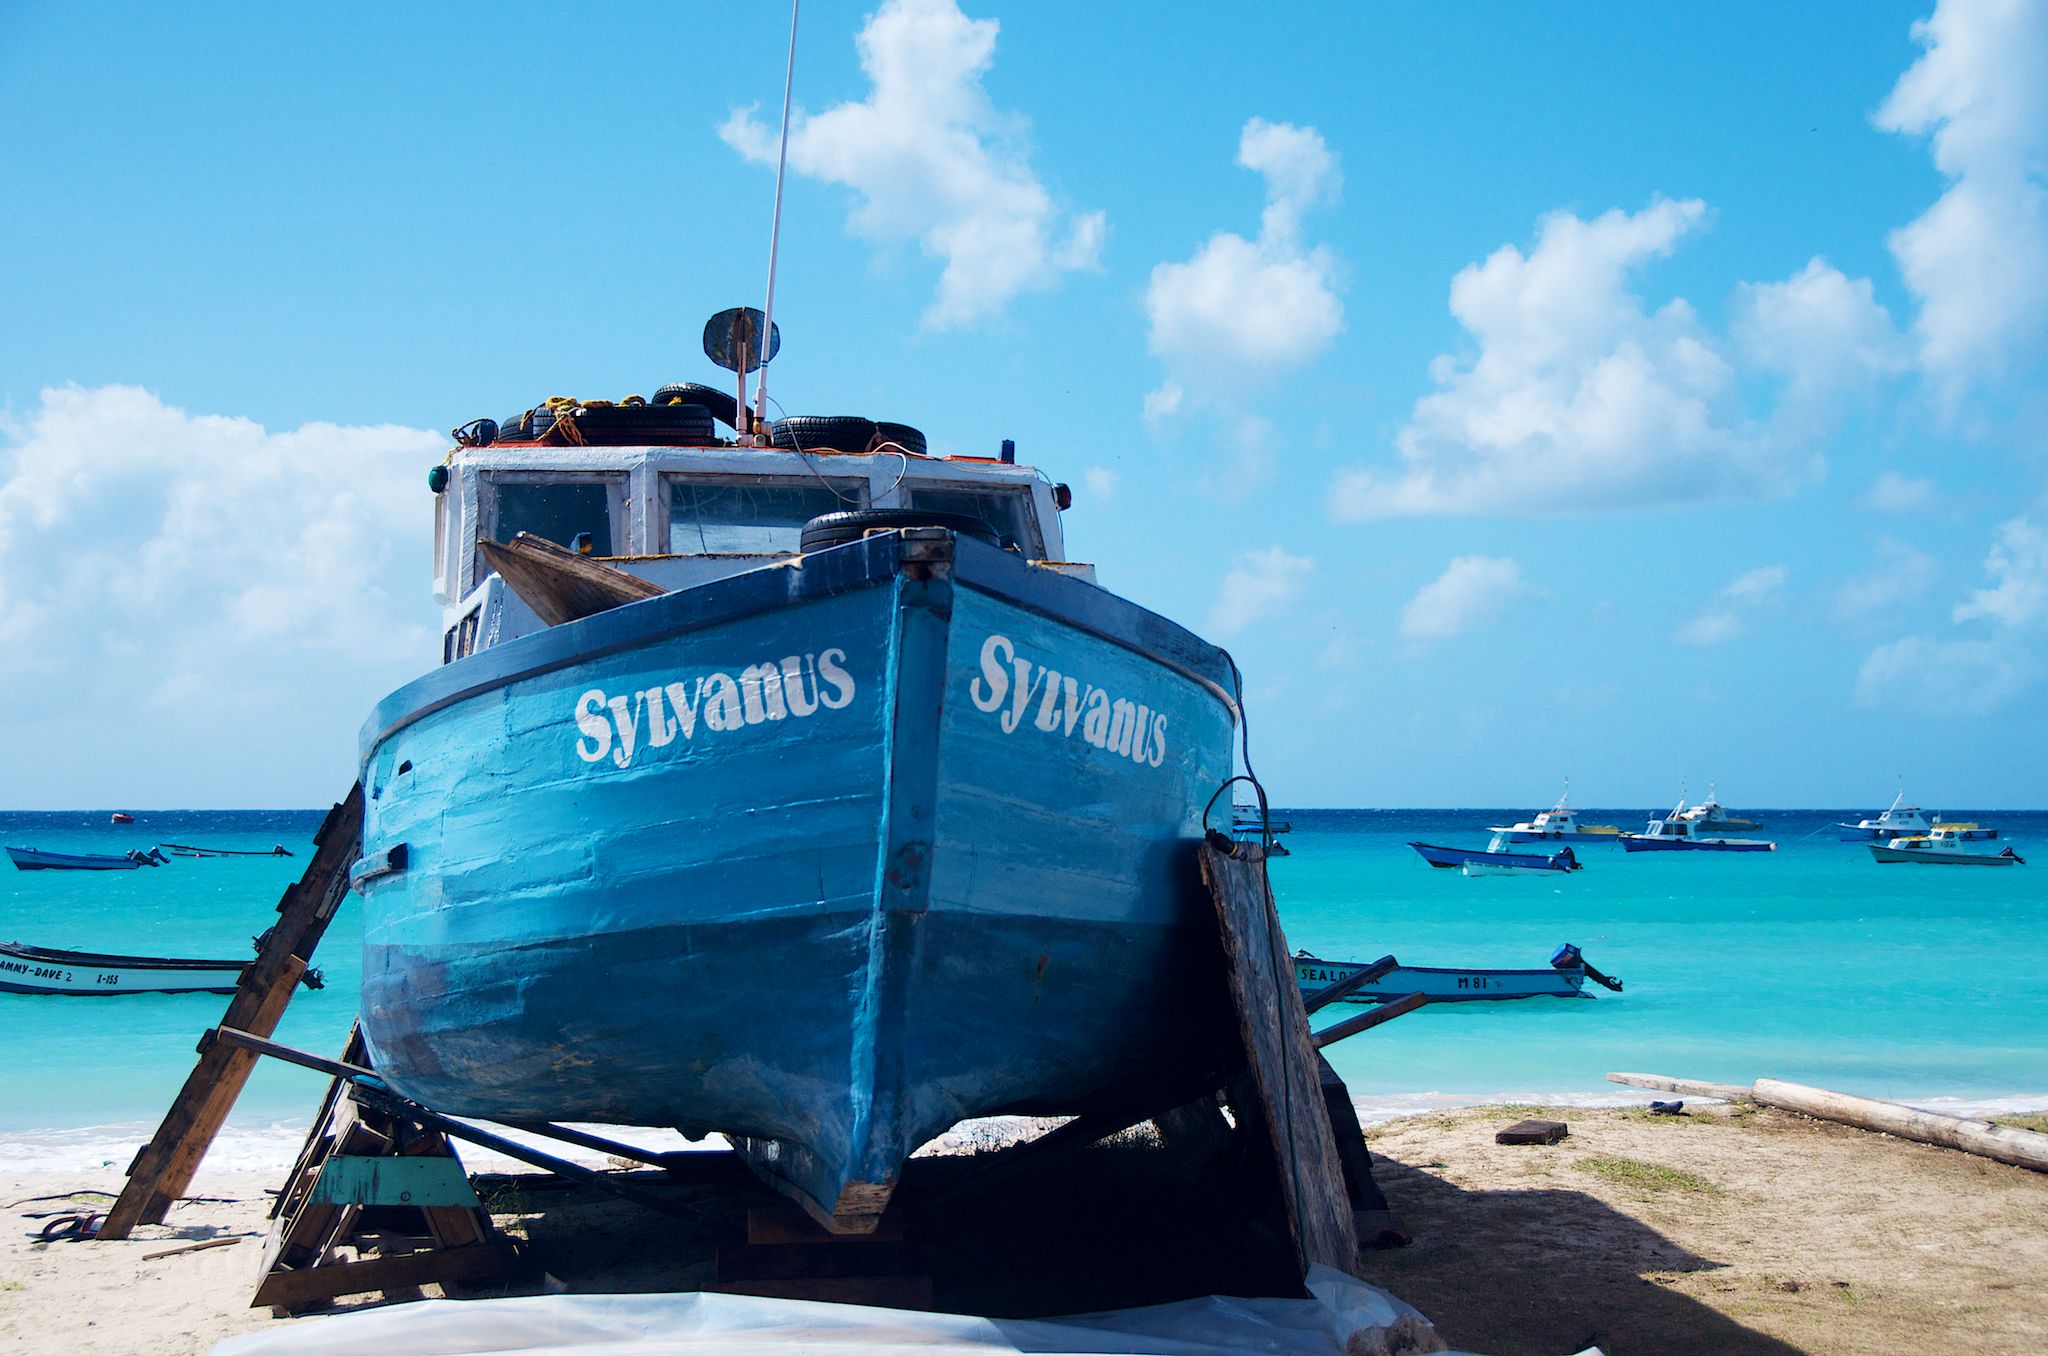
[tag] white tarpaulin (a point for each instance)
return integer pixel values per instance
(1347, 1317)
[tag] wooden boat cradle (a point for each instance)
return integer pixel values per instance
(1327, 1194)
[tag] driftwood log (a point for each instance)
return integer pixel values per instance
(2005, 1143)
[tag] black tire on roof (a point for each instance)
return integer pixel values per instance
(819, 432)
(836, 529)
(906, 438)
(724, 406)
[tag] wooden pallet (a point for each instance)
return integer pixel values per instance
(162, 1169)
(374, 1203)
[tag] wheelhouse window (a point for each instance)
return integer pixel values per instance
(1008, 511)
(721, 517)
(558, 508)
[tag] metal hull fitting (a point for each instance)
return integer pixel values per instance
(922, 850)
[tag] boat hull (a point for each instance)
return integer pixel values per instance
(1632, 842)
(1444, 984)
(1451, 858)
(31, 859)
(955, 876)
(1889, 856)
(27, 969)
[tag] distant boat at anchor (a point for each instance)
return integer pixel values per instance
(1713, 817)
(34, 859)
(1679, 831)
(122, 817)
(1560, 823)
(37, 969)
(1491, 861)
(1901, 819)
(1565, 977)
(1949, 845)
(189, 850)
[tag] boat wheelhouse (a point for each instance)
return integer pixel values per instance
(1712, 817)
(871, 814)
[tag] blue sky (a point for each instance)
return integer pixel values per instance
(1645, 395)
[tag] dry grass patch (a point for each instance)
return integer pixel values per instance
(1643, 1176)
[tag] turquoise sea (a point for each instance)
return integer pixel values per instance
(1811, 963)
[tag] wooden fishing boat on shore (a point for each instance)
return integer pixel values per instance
(36, 969)
(35, 859)
(863, 812)
(190, 850)
(1565, 977)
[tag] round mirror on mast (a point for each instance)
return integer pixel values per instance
(732, 339)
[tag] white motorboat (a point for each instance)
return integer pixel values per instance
(1713, 817)
(1560, 823)
(1949, 845)
(1900, 820)
(1681, 831)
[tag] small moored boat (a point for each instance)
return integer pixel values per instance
(1949, 845)
(1565, 978)
(1712, 816)
(35, 859)
(122, 817)
(190, 850)
(1494, 862)
(1560, 823)
(36, 969)
(1678, 832)
(1901, 819)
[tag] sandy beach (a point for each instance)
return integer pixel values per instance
(1726, 1230)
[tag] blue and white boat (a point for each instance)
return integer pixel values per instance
(1492, 861)
(1564, 977)
(858, 829)
(1897, 822)
(35, 859)
(1955, 844)
(1680, 831)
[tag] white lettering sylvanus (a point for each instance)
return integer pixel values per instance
(652, 717)
(1010, 687)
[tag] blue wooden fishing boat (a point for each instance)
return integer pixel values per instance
(855, 828)
(1564, 977)
(34, 859)
(1455, 858)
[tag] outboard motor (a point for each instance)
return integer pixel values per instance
(1569, 957)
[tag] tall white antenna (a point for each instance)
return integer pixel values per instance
(775, 229)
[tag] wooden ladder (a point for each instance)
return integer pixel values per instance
(162, 1169)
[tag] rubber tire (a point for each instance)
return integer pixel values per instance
(638, 425)
(912, 440)
(514, 429)
(836, 529)
(724, 406)
(819, 432)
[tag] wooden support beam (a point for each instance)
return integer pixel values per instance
(559, 585)
(162, 1170)
(2005, 1143)
(1273, 1025)
(1366, 1021)
(1350, 984)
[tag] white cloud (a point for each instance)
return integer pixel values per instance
(1899, 573)
(1977, 260)
(2019, 563)
(1101, 483)
(1965, 676)
(175, 581)
(1578, 397)
(932, 160)
(1977, 672)
(1896, 493)
(1473, 591)
(1259, 584)
(1241, 310)
(1723, 617)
